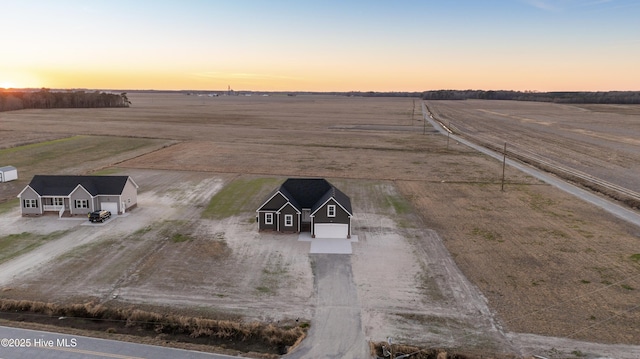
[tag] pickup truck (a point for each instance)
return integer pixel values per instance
(99, 216)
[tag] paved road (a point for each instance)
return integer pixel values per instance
(336, 328)
(611, 207)
(46, 345)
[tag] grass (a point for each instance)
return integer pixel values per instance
(176, 231)
(238, 196)
(9, 205)
(47, 156)
(635, 257)
(36, 146)
(398, 204)
(272, 275)
(487, 234)
(106, 172)
(179, 238)
(263, 337)
(14, 245)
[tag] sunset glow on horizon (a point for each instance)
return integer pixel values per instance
(542, 45)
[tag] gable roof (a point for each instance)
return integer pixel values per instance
(7, 168)
(273, 193)
(343, 200)
(310, 193)
(305, 191)
(46, 185)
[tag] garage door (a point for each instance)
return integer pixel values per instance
(110, 206)
(331, 230)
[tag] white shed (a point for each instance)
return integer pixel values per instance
(8, 173)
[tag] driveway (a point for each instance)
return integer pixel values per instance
(336, 330)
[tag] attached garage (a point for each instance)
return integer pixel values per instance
(331, 230)
(110, 206)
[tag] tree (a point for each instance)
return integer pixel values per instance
(125, 99)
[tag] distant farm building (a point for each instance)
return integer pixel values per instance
(307, 204)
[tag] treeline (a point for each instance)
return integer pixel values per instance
(45, 98)
(607, 97)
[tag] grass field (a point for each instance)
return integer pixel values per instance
(13, 245)
(238, 197)
(73, 155)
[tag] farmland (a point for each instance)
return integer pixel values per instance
(546, 263)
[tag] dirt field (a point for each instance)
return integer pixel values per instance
(445, 259)
(601, 140)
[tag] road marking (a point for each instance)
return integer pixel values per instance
(89, 352)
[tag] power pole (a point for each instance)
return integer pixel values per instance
(504, 162)
(413, 111)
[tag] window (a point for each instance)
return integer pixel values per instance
(82, 203)
(288, 220)
(268, 218)
(58, 201)
(30, 203)
(331, 210)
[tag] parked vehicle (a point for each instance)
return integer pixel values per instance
(99, 216)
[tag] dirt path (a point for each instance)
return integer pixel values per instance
(336, 330)
(78, 235)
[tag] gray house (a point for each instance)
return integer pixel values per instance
(78, 195)
(307, 204)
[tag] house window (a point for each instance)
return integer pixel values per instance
(331, 210)
(30, 203)
(58, 201)
(268, 218)
(288, 220)
(82, 203)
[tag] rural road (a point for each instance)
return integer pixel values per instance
(611, 207)
(336, 330)
(33, 344)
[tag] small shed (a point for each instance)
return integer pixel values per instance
(8, 173)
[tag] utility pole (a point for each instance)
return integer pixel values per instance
(504, 162)
(413, 111)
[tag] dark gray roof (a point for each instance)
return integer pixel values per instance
(64, 185)
(312, 193)
(338, 195)
(305, 191)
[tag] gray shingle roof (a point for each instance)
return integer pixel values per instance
(47, 185)
(312, 193)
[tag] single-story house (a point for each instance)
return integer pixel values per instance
(78, 195)
(8, 173)
(307, 204)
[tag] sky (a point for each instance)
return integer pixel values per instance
(321, 45)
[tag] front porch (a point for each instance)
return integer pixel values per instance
(58, 205)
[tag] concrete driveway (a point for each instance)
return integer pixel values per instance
(328, 245)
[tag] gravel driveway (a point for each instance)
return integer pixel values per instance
(337, 329)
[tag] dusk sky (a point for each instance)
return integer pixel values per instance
(273, 45)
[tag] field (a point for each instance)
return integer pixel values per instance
(445, 259)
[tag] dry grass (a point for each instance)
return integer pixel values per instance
(273, 338)
(547, 263)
